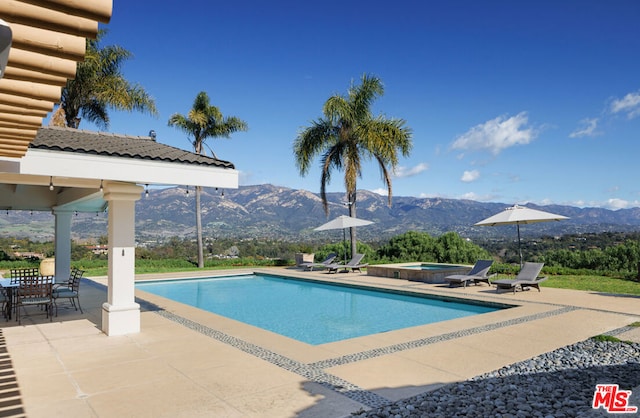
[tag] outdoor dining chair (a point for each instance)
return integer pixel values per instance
(17, 274)
(69, 290)
(5, 304)
(34, 291)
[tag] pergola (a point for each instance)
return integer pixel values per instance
(66, 170)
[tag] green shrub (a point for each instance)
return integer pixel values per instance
(610, 338)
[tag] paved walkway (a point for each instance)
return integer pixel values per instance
(186, 362)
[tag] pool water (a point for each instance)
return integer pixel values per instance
(310, 312)
(433, 267)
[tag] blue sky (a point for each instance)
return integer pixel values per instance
(509, 101)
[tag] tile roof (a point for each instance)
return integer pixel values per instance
(115, 145)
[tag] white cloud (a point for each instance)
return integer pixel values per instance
(629, 104)
(469, 196)
(477, 197)
(381, 191)
(588, 128)
(402, 172)
(469, 176)
(616, 204)
(497, 134)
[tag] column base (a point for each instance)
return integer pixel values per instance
(120, 320)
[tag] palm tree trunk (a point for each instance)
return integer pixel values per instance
(199, 228)
(352, 231)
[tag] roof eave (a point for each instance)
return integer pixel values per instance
(61, 164)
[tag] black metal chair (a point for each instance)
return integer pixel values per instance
(69, 290)
(35, 291)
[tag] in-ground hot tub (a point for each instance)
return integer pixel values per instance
(418, 272)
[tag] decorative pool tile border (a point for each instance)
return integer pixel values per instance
(315, 371)
(391, 349)
(619, 331)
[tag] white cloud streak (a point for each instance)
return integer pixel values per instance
(588, 128)
(629, 104)
(402, 172)
(497, 134)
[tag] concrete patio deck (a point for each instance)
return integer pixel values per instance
(190, 363)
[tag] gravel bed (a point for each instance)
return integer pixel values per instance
(557, 384)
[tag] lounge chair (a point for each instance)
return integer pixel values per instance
(526, 278)
(353, 264)
(321, 265)
(478, 274)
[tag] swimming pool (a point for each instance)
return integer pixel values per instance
(311, 312)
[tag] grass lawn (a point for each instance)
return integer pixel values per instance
(594, 284)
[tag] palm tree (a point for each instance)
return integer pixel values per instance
(348, 135)
(205, 121)
(99, 85)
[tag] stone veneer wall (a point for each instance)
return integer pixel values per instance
(402, 271)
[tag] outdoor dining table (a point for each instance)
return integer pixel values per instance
(7, 284)
(10, 285)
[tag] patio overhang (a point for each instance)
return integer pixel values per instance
(62, 170)
(68, 170)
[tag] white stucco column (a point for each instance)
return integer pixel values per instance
(62, 244)
(121, 314)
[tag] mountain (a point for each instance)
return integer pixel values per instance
(268, 211)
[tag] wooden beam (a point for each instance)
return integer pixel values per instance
(99, 10)
(19, 132)
(13, 73)
(46, 41)
(31, 90)
(25, 102)
(21, 120)
(13, 11)
(20, 110)
(36, 61)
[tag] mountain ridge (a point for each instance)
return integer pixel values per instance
(276, 212)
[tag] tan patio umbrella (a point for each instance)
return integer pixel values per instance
(520, 215)
(343, 222)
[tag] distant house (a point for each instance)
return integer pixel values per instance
(98, 249)
(29, 255)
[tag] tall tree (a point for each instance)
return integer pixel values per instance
(99, 85)
(348, 135)
(205, 121)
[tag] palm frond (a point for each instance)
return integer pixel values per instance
(205, 120)
(99, 84)
(348, 135)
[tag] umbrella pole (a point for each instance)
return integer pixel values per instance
(344, 240)
(344, 245)
(519, 246)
